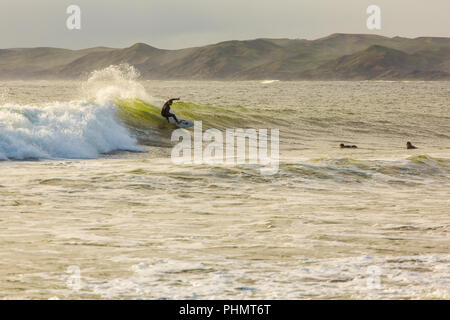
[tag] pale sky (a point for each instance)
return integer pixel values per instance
(172, 24)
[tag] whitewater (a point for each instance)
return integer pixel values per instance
(88, 190)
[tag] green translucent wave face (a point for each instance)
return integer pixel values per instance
(139, 115)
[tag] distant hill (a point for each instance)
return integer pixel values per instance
(336, 57)
(378, 62)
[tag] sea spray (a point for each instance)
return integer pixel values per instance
(116, 82)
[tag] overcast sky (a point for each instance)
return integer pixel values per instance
(175, 24)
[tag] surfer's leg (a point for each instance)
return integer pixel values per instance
(175, 117)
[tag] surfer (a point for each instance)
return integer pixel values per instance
(347, 146)
(165, 112)
(410, 146)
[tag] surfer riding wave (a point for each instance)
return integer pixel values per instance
(165, 112)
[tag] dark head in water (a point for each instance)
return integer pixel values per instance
(345, 146)
(410, 146)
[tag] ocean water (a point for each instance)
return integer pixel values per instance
(93, 207)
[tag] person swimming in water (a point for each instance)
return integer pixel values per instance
(410, 146)
(165, 112)
(343, 146)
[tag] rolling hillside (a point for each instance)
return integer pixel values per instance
(336, 57)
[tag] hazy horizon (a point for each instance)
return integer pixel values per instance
(212, 43)
(181, 24)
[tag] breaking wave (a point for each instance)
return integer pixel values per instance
(62, 130)
(77, 129)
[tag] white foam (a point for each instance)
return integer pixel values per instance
(61, 130)
(416, 277)
(269, 81)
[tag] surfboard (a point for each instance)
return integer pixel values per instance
(182, 124)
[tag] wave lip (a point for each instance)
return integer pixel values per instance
(62, 130)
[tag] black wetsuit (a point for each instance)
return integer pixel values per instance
(165, 112)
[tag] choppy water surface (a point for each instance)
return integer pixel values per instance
(371, 222)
